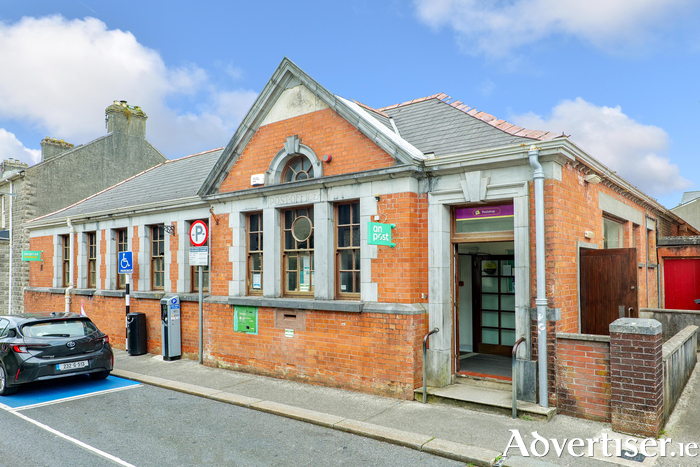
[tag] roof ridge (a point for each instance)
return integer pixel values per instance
(439, 95)
(194, 155)
(365, 106)
(122, 182)
(497, 123)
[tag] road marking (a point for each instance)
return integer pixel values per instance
(74, 441)
(67, 399)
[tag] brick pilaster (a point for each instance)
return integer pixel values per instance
(636, 377)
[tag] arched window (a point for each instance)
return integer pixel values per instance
(299, 168)
(293, 163)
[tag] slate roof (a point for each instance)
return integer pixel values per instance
(169, 181)
(432, 124)
(689, 196)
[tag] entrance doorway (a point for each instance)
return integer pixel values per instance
(485, 308)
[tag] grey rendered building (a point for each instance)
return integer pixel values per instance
(65, 175)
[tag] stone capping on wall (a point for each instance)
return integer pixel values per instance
(673, 344)
(646, 327)
(679, 360)
(346, 306)
(582, 337)
(679, 241)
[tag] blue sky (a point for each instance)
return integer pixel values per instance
(619, 76)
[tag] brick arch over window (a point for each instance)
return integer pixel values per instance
(292, 149)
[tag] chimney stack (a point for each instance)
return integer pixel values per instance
(10, 166)
(122, 118)
(52, 147)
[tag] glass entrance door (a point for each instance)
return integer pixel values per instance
(494, 302)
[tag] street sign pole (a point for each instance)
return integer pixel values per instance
(126, 317)
(201, 297)
(199, 234)
(126, 267)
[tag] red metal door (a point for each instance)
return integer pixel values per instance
(681, 284)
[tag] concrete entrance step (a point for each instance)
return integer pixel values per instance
(485, 400)
(484, 382)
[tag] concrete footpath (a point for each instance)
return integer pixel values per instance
(465, 435)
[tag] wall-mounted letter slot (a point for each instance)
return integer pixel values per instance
(290, 319)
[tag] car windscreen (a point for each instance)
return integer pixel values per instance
(63, 328)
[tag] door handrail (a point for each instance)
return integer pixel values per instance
(514, 378)
(425, 343)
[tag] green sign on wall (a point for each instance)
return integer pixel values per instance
(245, 319)
(379, 234)
(28, 255)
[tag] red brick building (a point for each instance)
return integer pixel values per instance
(299, 205)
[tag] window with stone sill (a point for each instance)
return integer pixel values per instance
(254, 246)
(65, 260)
(298, 252)
(347, 250)
(92, 260)
(157, 257)
(122, 245)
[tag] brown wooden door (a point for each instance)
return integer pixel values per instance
(494, 304)
(608, 288)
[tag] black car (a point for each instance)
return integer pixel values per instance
(41, 346)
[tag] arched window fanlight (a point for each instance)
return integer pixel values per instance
(297, 169)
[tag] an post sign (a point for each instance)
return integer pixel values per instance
(245, 319)
(28, 255)
(379, 234)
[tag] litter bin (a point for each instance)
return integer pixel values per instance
(136, 333)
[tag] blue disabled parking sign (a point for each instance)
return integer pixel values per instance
(126, 265)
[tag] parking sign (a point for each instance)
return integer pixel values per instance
(198, 233)
(126, 264)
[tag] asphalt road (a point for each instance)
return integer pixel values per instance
(148, 426)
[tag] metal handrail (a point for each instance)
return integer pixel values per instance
(514, 378)
(425, 343)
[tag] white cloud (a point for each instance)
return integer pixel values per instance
(66, 72)
(634, 150)
(496, 28)
(12, 148)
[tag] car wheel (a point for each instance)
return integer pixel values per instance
(99, 375)
(4, 389)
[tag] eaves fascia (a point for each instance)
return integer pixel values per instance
(397, 171)
(119, 213)
(494, 157)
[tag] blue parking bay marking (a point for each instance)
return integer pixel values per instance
(49, 392)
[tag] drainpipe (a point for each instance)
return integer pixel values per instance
(70, 267)
(541, 300)
(12, 247)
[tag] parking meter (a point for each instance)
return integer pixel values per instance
(170, 326)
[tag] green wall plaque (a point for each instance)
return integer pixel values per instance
(379, 234)
(245, 319)
(28, 255)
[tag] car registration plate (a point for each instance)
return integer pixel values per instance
(71, 365)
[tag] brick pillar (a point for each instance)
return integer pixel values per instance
(636, 377)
